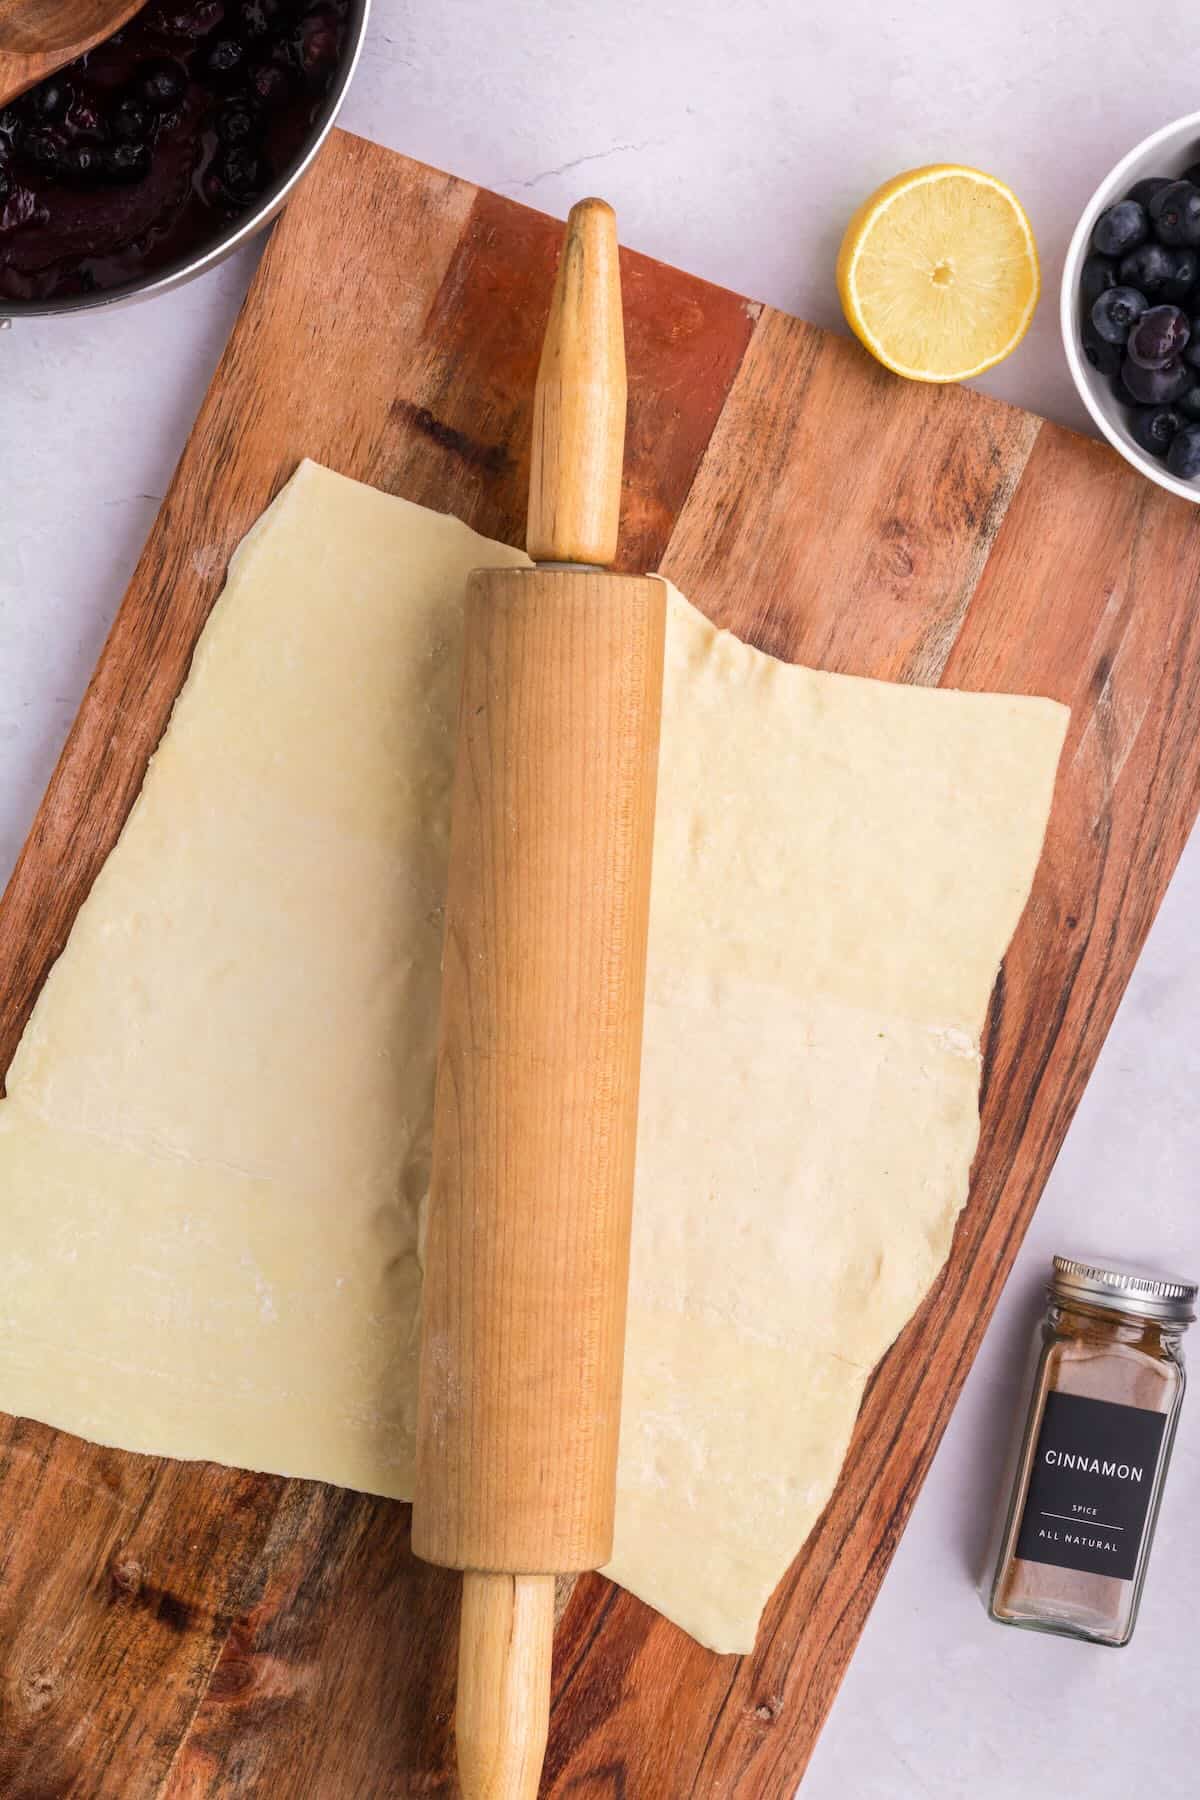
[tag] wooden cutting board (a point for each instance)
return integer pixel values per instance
(188, 1631)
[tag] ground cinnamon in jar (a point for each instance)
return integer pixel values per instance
(1093, 1459)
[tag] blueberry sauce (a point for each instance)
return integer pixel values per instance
(140, 154)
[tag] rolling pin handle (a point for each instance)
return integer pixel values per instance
(578, 442)
(504, 1651)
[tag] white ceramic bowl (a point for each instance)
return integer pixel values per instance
(1165, 152)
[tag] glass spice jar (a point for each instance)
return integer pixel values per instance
(1106, 1395)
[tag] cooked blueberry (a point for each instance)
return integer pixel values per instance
(243, 169)
(130, 122)
(80, 164)
(41, 148)
(83, 120)
(5, 186)
(317, 44)
(1106, 358)
(1144, 191)
(161, 85)
(1098, 274)
(1116, 312)
(1156, 387)
(256, 19)
(1183, 458)
(126, 163)
(1153, 427)
(1184, 275)
(240, 174)
(1159, 336)
(1123, 227)
(269, 83)
(236, 123)
(1148, 268)
(198, 20)
(1175, 213)
(49, 100)
(1189, 402)
(224, 61)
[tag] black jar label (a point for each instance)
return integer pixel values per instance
(1090, 1485)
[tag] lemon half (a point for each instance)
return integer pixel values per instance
(938, 273)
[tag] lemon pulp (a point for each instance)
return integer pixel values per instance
(938, 273)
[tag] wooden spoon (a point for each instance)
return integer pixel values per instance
(39, 36)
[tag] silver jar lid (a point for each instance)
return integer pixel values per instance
(1126, 1290)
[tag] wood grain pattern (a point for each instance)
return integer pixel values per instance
(538, 1067)
(866, 522)
(502, 1704)
(837, 515)
(579, 400)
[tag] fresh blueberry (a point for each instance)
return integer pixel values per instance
(1098, 274)
(1192, 353)
(1191, 174)
(49, 100)
(224, 61)
(1106, 359)
(1189, 402)
(1148, 268)
(5, 186)
(1175, 213)
(1120, 392)
(1184, 275)
(1183, 458)
(1159, 336)
(162, 85)
(235, 123)
(1156, 387)
(1123, 227)
(1144, 191)
(130, 122)
(124, 164)
(1116, 312)
(1153, 427)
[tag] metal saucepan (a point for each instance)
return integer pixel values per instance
(238, 231)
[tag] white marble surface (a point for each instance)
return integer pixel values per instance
(734, 140)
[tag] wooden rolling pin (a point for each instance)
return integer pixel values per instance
(527, 1257)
